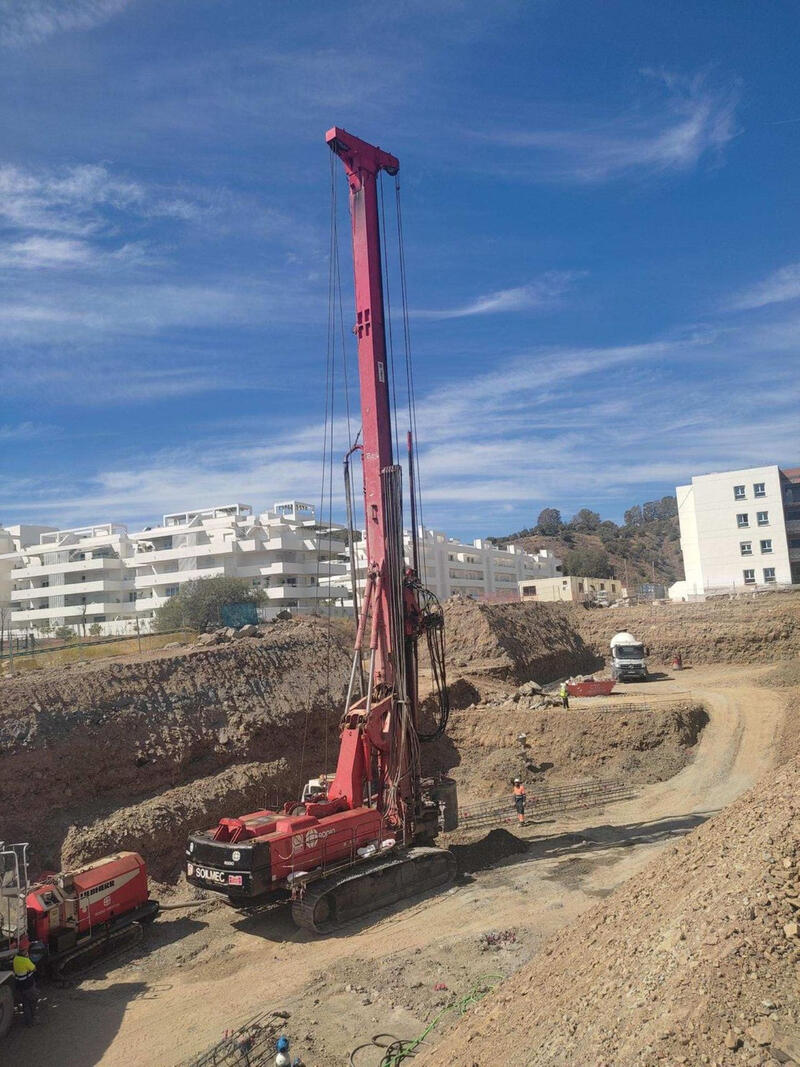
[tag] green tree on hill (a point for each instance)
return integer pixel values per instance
(549, 522)
(198, 605)
(588, 563)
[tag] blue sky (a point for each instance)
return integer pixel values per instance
(601, 220)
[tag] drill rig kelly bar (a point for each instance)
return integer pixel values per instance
(363, 840)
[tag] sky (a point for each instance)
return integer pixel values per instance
(601, 236)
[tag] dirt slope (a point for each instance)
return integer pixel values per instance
(87, 740)
(158, 828)
(688, 960)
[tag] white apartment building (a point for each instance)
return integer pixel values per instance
(104, 575)
(739, 530)
(449, 567)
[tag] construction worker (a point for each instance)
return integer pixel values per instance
(282, 1047)
(563, 692)
(25, 981)
(519, 800)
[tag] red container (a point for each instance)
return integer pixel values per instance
(591, 689)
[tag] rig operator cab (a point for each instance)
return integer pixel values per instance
(628, 658)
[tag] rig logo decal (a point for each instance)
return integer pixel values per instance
(311, 839)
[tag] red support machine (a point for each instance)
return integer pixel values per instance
(354, 844)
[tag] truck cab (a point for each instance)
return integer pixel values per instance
(628, 658)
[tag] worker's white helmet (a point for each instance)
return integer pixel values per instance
(517, 781)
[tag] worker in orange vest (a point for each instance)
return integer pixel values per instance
(519, 800)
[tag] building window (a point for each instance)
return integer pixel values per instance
(171, 590)
(749, 577)
(529, 590)
(738, 492)
(794, 542)
(759, 489)
(763, 518)
(742, 521)
(746, 548)
(580, 587)
(766, 546)
(769, 574)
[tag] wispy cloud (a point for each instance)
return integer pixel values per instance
(25, 22)
(781, 286)
(543, 294)
(41, 252)
(21, 431)
(550, 426)
(77, 200)
(691, 122)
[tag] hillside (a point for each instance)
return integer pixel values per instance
(632, 551)
(646, 548)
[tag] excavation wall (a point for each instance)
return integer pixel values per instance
(78, 743)
(752, 630)
(483, 754)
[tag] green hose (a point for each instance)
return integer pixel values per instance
(401, 1049)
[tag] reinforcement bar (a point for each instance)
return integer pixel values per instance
(545, 801)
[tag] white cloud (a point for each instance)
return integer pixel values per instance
(692, 123)
(782, 285)
(541, 295)
(41, 252)
(25, 22)
(77, 200)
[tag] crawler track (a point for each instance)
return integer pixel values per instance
(350, 895)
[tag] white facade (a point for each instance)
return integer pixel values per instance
(104, 575)
(449, 567)
(740, 530)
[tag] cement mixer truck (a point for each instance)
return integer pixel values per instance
(628, 658)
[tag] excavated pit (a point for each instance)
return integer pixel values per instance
(137, 751)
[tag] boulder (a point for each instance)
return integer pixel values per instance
(528, 689)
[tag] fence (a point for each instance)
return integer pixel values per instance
(544, 801)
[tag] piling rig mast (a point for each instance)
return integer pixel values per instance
(362, 840)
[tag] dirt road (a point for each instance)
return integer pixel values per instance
(209, 970)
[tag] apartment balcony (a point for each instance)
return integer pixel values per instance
(79, 566)
(73, 613)
(70, 589)
(308, 568)
(148, 581)
(165, 555)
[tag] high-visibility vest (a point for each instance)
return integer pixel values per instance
(519, 790)
(563, 689)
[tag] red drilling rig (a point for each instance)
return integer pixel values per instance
(363, 840)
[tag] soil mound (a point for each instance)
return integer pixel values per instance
(516, 642)
(497, 845)
(688, 962)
